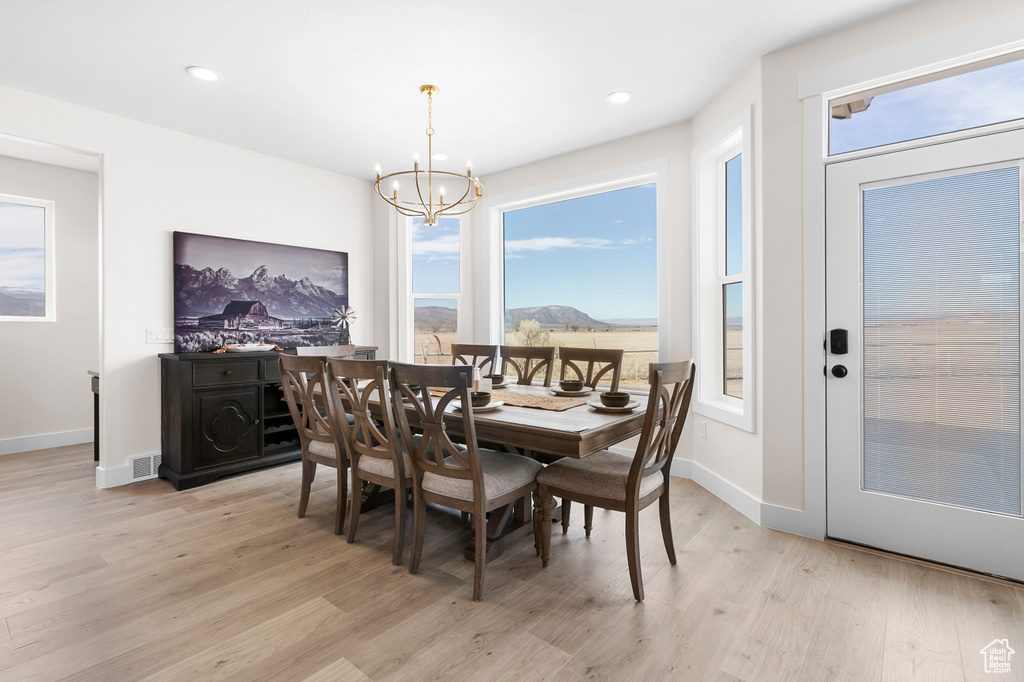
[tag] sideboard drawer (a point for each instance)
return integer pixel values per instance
(223, 373)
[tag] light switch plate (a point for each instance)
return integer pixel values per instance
(159, 335)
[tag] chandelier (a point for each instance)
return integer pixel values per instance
(426, 203)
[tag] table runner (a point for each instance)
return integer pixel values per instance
(537, 402)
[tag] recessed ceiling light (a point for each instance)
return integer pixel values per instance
(439, 157)
(203, 73)
(619, 97)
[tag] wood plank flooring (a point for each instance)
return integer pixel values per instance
(223, 582)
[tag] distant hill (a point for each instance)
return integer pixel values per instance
(22, 302)
(633, 321)
(550, 316)
(435, 318)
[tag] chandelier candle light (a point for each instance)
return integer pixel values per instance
(426, 206)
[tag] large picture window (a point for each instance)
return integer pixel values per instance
(722, 278)
(26, 259)
(583, 272)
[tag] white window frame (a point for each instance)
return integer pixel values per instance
(645, 173)
(50, 268)
(709, 232)
(407, 299)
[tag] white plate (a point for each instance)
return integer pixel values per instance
(249, 347)
(486, 408)
(573, 394)
(600, 407)
(501, 385)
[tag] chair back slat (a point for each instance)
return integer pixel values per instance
(599, 362)
(667, 406)
(436, 452)
(475, 355)
(360, 388)
(528, 362)
(302, 380)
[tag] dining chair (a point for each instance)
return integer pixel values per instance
(626, 483)
(483, 356)
(302, 380)
(599, 362)
(375, 454)
(528, 362)
(464, 477)
(327, 351)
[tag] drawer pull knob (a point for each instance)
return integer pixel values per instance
(227, 372)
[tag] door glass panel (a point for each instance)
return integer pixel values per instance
(942, 340)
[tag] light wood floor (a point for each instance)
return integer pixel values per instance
(224, 582)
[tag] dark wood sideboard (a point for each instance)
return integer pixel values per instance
(224, 413)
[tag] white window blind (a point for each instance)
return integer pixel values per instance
(942, 340)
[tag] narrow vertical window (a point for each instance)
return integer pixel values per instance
(722, 281)
(435, 285)
(26, 259)
(732, 280)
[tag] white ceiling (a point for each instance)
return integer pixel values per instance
(335, 84)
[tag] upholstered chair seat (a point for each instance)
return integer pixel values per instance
(503, 473)
(602, 474)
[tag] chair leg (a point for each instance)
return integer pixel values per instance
(547, 507)
(588, 518)
(339, 521)
(666, 526)
(401, 493)
(565, 515)
(353, 521)
(633, 552)
(480, 530)
(308, 471)
(419, 511)
(537, 513)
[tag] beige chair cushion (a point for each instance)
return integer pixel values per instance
(503, 473)
(384, 467)
(602, 474)
(322, 448)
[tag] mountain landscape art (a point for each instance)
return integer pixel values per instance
(239, 291)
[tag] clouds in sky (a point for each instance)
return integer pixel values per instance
(22, 241)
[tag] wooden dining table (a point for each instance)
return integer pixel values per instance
(576, 432)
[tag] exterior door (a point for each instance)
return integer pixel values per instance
(924, 406)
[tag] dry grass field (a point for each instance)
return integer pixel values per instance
(640, 343)
(632, 339)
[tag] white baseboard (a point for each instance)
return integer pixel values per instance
(9, 446)
(111, 477)
(738, 499)
(763, 514)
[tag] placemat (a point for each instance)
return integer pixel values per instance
(540, 402)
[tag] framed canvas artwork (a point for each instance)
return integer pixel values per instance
(239, 291)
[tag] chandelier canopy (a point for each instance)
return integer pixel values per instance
(431, 200)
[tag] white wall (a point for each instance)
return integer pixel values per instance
(156, 181)
(45, 363)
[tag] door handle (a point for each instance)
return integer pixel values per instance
(839, 371)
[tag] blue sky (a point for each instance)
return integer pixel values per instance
(22, 254)
(597, 254)
(562, 253)
(969, 100)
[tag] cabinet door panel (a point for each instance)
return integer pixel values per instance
(229, 428)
